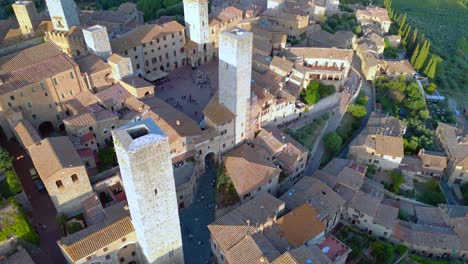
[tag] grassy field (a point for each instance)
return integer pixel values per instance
(443, 22)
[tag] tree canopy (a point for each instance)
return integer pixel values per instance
(333, 142)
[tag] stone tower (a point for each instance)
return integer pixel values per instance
(26, 14)
(63, 14)
(196, 20)
(97, 41)
(143, 154)
(235, 74)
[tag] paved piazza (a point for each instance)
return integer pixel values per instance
(189, 90)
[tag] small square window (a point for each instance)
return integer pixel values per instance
(105, 249)
(124, 239)
(59, 184)
(74, 178)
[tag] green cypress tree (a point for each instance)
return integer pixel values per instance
(405, 34)
(412, 42)
(422, 56)
(428, 65)
(415, 55)
(402, 22)
(432, 70)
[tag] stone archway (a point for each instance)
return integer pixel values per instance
(46, 128)
(210, 159)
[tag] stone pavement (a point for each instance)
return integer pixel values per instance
(182, 92)
(195, 219)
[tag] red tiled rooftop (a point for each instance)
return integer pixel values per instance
(334, 248)
(87, 137)
(86, 153)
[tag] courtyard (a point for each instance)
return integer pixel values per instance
(189, 90)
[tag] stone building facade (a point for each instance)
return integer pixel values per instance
(153, 48)
(235, 73)
(150, 190)
(38, 81)
(62, 172)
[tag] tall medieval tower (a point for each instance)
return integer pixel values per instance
(143, 154)
(196, 21)
(235, 74)
(26, 14)
(63, 14)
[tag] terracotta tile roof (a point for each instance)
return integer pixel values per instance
(365, 203)
(334, 248)
(282, 64)
(20, 257)
(317, 194)
(217, 113)
(388, 145)
(351, 178)
(262, 94)
(113, 95)
(323, 39)
(460, 226)
(254, 249)
(410, 163)
(144, 34)
(456, 142)
(430, 216)
(399, 67)
(53, 154)
(456, 211)
(27, 134)
(233, 226)
(433, 160)
(136, 82)
(323, 53)
(117, 225)
(115, 58)
(386, 215)
(381, 144)
(427, 236)
(336, 165)
(32, 65)
(81, 102)
(91, 115)
(327, 178)
(302, 254)
(172, 121)
(225, 15)
(301, 225)
(92, 210)
(92, 64)
(273, 139)
(249, 168)
(122, 15)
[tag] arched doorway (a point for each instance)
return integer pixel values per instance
(46, 128)
(128, 254)
(210, 160)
